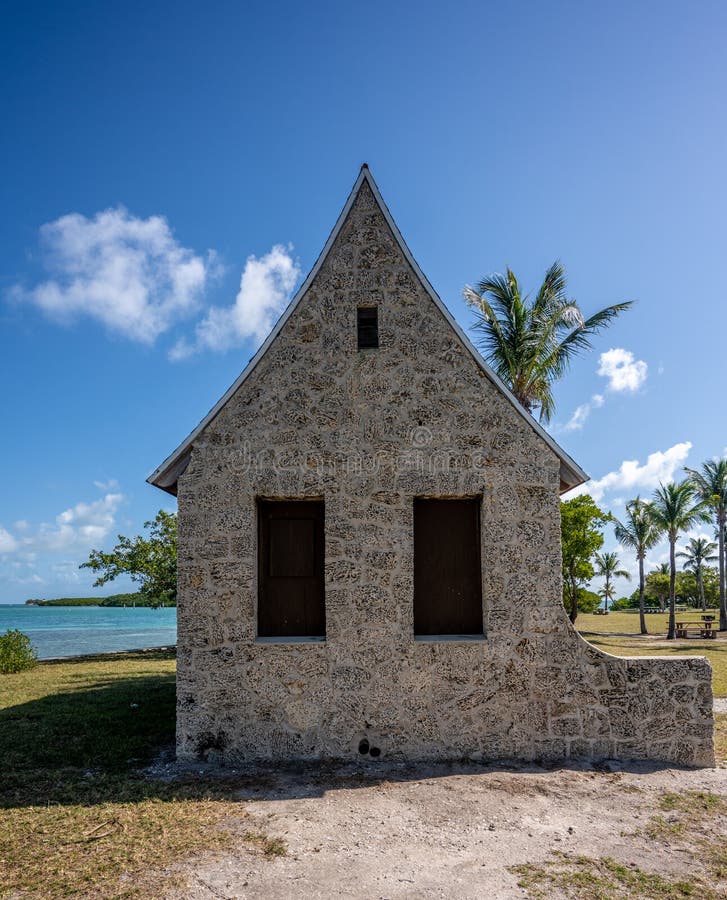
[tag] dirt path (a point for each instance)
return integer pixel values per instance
(439, 831)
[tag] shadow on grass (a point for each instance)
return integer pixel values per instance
(678, 646)
(84, 744)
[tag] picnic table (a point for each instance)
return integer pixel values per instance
(698, 629)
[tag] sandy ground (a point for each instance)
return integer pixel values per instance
(438, 830)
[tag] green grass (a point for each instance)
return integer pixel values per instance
(268, 846)
(585, 878)
(76, 816)
(692, 823)
(628, 622)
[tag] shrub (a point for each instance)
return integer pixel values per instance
(16, 652)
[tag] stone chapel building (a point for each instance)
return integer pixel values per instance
(369, 548)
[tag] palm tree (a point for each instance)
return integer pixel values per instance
(607, 566)
(675, 509)
(638, 532)
(710, 485)
(531, 342)
(699, 551)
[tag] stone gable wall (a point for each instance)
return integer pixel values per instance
(368, 431)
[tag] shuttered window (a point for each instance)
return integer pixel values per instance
(291, 596)
(368, 327)
(447, 567)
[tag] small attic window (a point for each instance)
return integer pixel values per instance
(368, 327)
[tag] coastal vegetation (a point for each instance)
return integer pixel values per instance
(137, 599)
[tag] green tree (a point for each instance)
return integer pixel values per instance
(150, 561)
(698, 552)
(710, 484)
(658, 582)
(640, 534)
(530, 343)
(626, 602)
(675, 509)
(710, 583)
(581, 538)
(588, 601)
(607, 567)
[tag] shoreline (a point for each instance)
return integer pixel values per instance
(103, 653)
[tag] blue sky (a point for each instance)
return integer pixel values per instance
(170, 170)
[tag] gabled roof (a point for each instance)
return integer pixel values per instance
(166, 475)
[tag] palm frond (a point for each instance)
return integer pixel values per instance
(530, 343)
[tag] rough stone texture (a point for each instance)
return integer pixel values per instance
(368, 431)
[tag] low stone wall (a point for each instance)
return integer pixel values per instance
(443, 700)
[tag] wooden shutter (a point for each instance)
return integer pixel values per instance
(291, 595)
(447, 567)
(368, 327)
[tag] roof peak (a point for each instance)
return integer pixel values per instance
(165, 476)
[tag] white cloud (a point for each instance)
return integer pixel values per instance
(631, 477)
(624, 372)
(582, 412)
(82, 526)
(110, 485)
(49, 553)
(8, 544)
(131, 274)
(578, 419)
(265, 288)
(66, 571)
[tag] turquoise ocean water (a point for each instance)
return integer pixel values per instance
(75, 630)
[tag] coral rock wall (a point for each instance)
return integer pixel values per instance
(368, 431)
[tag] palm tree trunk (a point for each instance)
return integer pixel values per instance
(573, 600)
(671, 634)
(642, 617)
(605, 599)
(700, 582)
(720, 539)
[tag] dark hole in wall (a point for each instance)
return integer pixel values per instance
(208, 741)
(368, 327)
(374, 752)
(363, 747)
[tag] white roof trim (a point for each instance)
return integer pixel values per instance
(165, 476)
